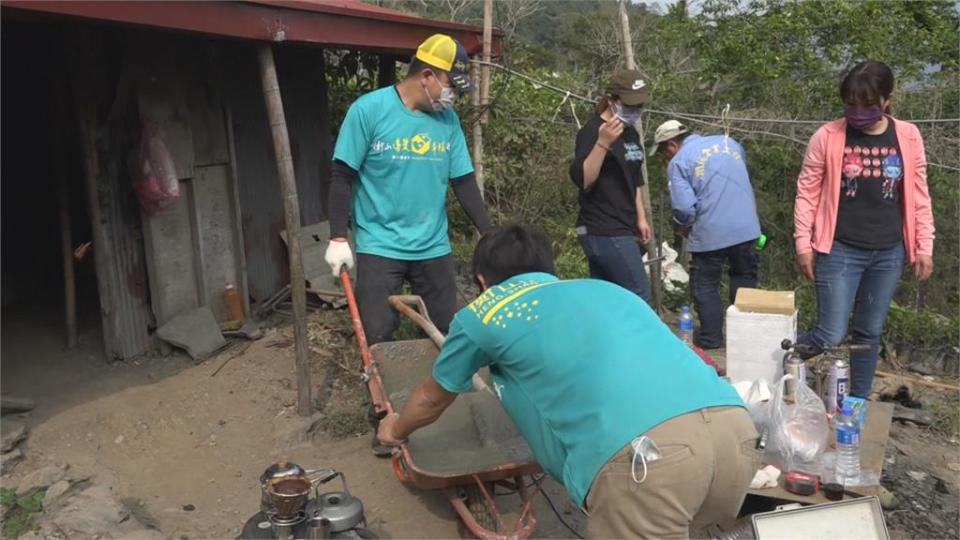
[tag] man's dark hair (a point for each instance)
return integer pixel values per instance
(511, 250)
(417, 65)
(679, 140)
(868, 83)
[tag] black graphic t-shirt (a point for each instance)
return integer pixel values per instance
(609, 207)
(871, 213)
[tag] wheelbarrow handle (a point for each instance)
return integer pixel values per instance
(374, 384)
(402, 303)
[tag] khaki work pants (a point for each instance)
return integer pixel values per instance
(708, 459)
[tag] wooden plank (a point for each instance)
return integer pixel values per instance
(216, 235)
(207, 123)
(240, 255)
(873, 445)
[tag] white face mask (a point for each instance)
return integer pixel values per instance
(627, 115)
(447, 96)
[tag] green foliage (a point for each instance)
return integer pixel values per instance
(921, 328)
(20, 514)
(767, 59)
(946, 416)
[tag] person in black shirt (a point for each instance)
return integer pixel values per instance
(870, 215)
(607, 171)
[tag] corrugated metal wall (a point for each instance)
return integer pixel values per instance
(130, 321)
(303, 88)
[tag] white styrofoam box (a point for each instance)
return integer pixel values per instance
(753, 344)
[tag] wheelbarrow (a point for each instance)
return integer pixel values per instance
(473, 447)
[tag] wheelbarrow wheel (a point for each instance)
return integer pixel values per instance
(477, 505)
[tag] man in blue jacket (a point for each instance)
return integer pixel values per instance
(643, 435)
(713, 203)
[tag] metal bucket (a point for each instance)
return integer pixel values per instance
(288, 496)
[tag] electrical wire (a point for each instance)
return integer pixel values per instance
(559, 90)
(700, 118)
(554, 508)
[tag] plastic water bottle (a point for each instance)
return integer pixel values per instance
(686, 326)
(848, 447)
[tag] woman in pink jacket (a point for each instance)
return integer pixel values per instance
(862, 209)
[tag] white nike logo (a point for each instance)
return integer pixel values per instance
(637, 84)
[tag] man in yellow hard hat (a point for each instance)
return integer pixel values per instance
(398, 150)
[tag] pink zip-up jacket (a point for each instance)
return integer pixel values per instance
(818, 190)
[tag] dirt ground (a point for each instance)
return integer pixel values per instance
(168, 436)
(165, 442)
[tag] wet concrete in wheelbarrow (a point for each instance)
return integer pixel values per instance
(473, 435)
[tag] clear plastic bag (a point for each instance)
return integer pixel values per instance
(757, 401)
(799, 431)
(154, 174)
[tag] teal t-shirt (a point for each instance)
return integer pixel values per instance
(582, 367)
(405, 160)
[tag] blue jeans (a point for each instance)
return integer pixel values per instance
(863, 281)
(706, 272)
(617, 259)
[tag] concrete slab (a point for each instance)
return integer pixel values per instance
(216, 236)
(313, 244)
(196, 331)
(168, 244)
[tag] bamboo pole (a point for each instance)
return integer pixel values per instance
(487, 47)
(291, 212)
(931, 384)
(477, 134)
(656, 282)
(484, 97)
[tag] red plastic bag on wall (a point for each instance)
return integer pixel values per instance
(154, 174)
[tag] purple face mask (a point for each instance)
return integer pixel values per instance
(860, 117)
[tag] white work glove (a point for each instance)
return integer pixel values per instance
(338, 255)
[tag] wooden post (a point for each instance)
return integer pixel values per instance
(86, 110)
(627, 39)
(477, 134)
(483, 100)
(487, 47)
(656, 282)
(58, 156)
(291, 211)
(66, 247)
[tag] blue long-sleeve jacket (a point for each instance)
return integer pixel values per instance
(710, 190)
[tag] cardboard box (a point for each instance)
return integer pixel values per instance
(760, 301)
(753, 344)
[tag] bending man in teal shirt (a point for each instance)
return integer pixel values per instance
(588, 372)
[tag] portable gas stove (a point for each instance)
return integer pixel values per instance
(288, 512)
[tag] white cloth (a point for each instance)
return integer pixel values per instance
(338, 255)
(765, 478)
